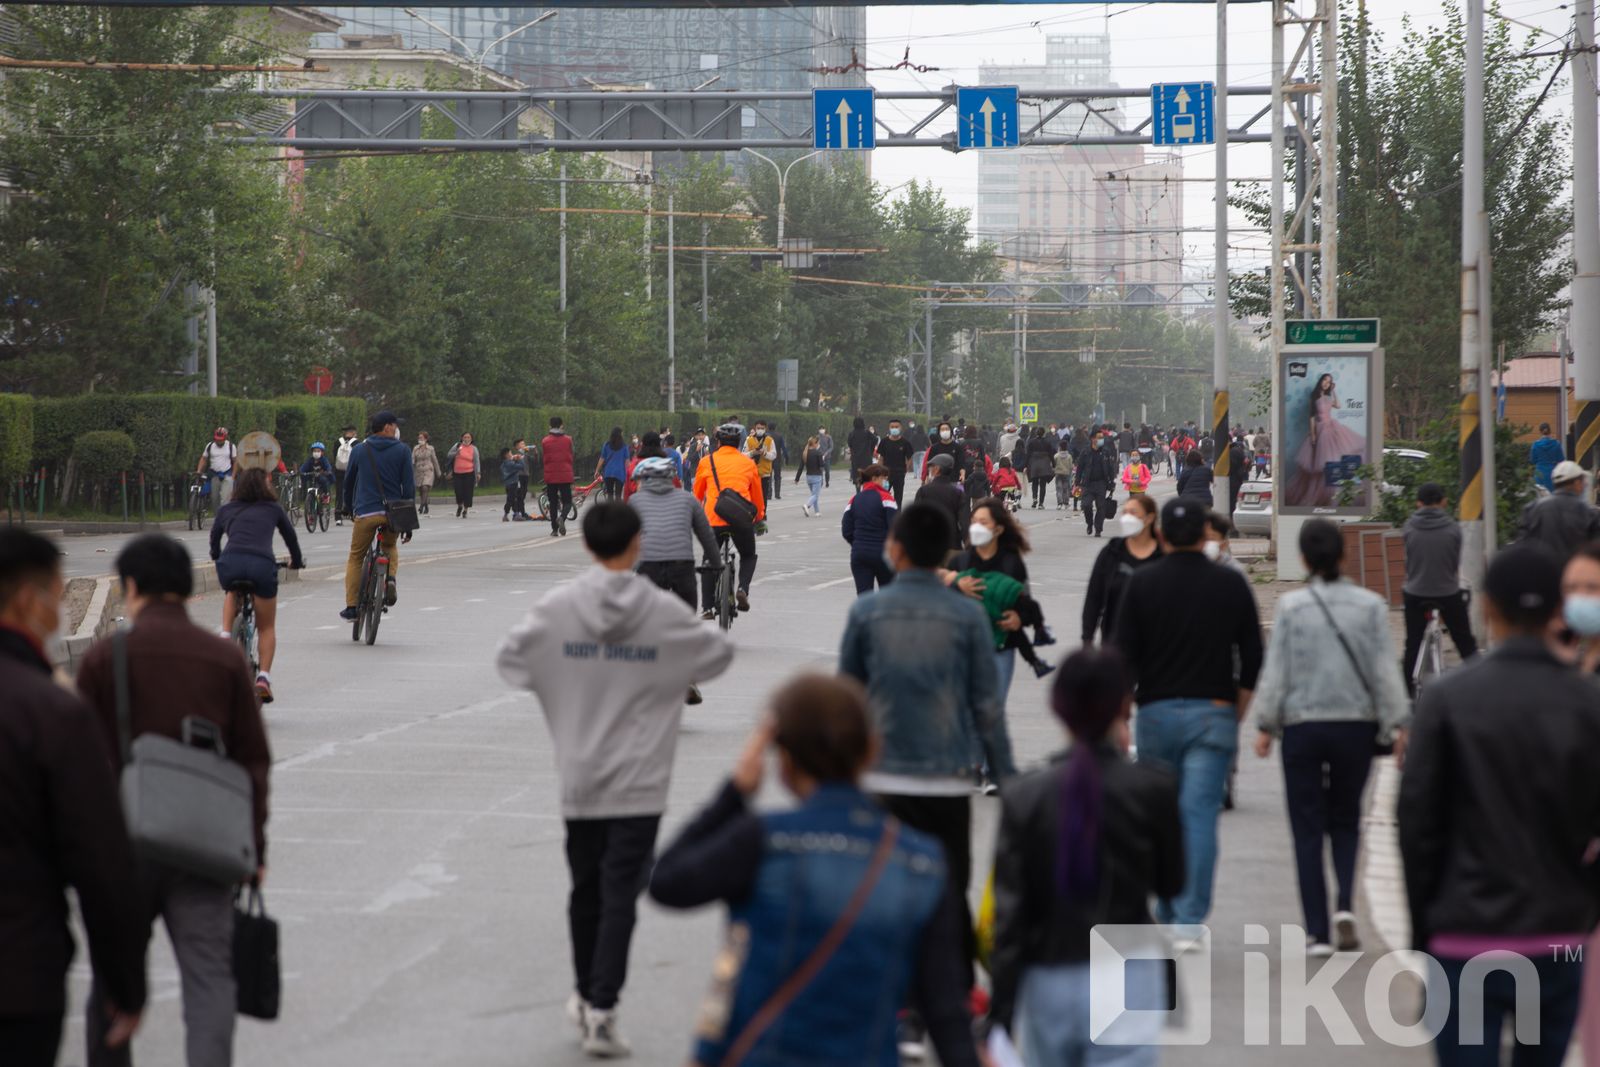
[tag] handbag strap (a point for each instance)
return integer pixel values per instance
(711, 461)
(808, 970)
(377, 474)
(119, 674)
(1344, 644)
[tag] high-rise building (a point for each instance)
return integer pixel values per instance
(1090, 213)
(758, 48)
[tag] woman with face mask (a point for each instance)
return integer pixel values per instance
(1580, 606)
(1134, 546)
(998, 545)
(865, 525)
(945, 443)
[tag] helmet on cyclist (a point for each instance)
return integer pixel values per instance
(317, 446)
(731, 433)
(654, 467)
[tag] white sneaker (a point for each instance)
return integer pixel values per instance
(1345, 937)
(1319, 950)
(601, 1038)
(578, 1013)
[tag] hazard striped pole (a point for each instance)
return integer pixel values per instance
(1220, 498)
(1474, 550)
(1585, 326)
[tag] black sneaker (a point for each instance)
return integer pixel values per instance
(694, 696)
(350, 614)
(741, 600)
(1042, 669)
(1044, 636)
(390, 593)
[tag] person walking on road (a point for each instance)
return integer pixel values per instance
(1433, 579)
(466, 470)
(1084, 842)
(1183, 623)
(926, 657)
(1545, 453)
(997, 546)
(825, 441)
(763, 451)
(1238, 471)
(817, 883)
(609, 657)
(939, 490)
(779, 458)
(1096, 481)
(558, 467)
(1195, 481)
(865, 526)
(1136, 475)
(944, 443)
(1062, 464)
(512, 470)
(1331, 691)
(425, 462)
(60, 826)
(894, 452)
(177, 672)
(975, 461)
(1134, 546)
(341, 463)
(1563, 521)
(812, 466)
(380, 470)
(1041, 451)
(613, 463)
(863, 448)
(249, 520)
(1498, 808)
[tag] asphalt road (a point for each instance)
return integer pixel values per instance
(416, 857)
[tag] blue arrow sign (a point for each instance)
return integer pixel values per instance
(1183, 113)
(842, 118)
(987, 116)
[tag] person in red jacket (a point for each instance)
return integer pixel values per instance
(557, 447)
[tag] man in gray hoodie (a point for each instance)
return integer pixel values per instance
(610, 656)
(1433, 578)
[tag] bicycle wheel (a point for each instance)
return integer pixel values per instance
(542, 503)
(725, 606)
(1430, 659)
(363, 597)
(194, 509)
(375, 600)
(244, 635)
(311, 513)
(324, 512)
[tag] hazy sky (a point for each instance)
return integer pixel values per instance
(1149, 43)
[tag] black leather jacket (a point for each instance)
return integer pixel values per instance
(1141, 854)
(1500, 799)
(1562, 522)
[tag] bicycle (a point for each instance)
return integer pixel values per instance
(244, 633)
(199, 493)
(1430, 657)
(727, 586)
(580, 496)
(319, 506)
(370, 608)
(289, 496)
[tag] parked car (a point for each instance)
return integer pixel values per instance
(1253, 518)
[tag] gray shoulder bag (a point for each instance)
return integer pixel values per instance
(1381, 747)
(187, 806)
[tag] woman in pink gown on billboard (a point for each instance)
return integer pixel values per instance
(1327, 441)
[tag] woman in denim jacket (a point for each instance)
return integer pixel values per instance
(1331, 688)
(788, 877)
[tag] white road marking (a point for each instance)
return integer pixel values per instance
(434, 608)
(830, 585)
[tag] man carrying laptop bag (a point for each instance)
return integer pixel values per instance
(181, 684)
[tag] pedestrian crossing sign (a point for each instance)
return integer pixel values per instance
(1028, 413)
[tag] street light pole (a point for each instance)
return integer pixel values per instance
(672, 315)
(783, 181)
(478, 57)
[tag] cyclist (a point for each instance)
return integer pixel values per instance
(380, 469)
(729, 469)
(673, 521)
(217, 461)
(316, 473)
(1433, 578)
(248, 520)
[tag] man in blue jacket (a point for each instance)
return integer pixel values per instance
(1544, 455)
(380, 469)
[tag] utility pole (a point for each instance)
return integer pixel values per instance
(1474, 554)
(563, 272)
(1219, 369)
(211, 341)
(672, 315)
(705, 285)
(1585, 328)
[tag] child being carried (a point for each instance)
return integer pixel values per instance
(1002, 593)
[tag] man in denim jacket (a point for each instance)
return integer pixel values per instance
(925, 654)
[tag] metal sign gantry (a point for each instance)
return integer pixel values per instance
(649, 120)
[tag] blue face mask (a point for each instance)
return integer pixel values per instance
(1583, 615)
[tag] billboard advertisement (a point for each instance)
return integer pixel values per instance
(1332, 426)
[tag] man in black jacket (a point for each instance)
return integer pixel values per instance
(863, 446)
(60, 825)
(1499, 810)
(1097, 478)
(1564, 521)
(941, 491)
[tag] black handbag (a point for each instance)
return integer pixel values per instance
(255, 956)
(730, 507)
(400, 512)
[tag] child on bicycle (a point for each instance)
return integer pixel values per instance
(1006, 485)
(316, 473)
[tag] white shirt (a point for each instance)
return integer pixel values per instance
(220, 455)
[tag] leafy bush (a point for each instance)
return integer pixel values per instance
(102, 454)
(1441, 440)
(16, 435)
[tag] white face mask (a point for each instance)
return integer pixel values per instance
(1130, 525)
(1212, 550)
(979, 535)
(945, 435)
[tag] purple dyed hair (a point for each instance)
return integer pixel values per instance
(1090, 690)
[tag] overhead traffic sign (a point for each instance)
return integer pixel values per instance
(987, 116)
(842, 118)
(1183, 113)
(1027, 413)
(1330, 332)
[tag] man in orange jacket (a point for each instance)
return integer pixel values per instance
(727, 468)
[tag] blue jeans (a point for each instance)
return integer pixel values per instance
(814, 481)
(1005, 663)
(1560, 983)
(1053, 1016)
(1197, 740)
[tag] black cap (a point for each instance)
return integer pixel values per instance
(1524, 583)
(382, 419)
(1183, 522)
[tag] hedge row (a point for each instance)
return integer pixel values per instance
(169, 432)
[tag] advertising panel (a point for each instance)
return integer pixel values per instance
(1332, 426)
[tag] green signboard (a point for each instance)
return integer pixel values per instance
(1331, 332)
